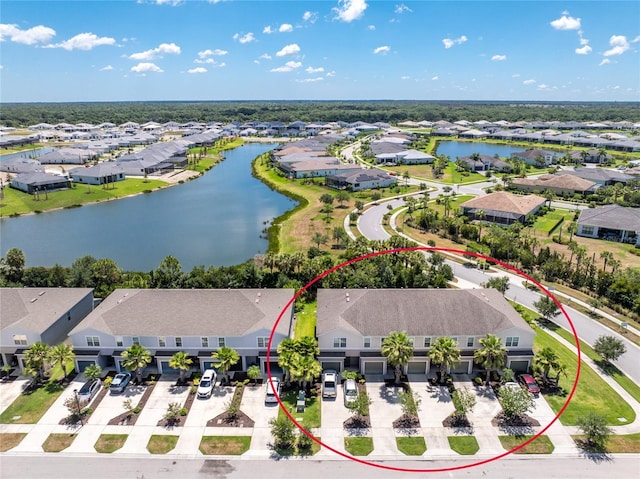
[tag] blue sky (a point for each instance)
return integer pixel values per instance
(323, 50)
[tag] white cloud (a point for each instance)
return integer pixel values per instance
(349, 10)
(566, 22)
(402, 8)
(544, 87)
(449, 42)
(290, 49)
(405, 77)
(172, 3)
(605, 61)
(247, 38)
(383, 49)
(287, 67)
(619, 45)
(371, 27)
(197, 70)
(528, 82)
(38, 34)
(267, 30)
(145, 67)
(499, 58)
(285, 27)
(106, 69)
(331, 74)
(515, 75)
(435, 78)
(310, 17)
(585, 50)
(310, 80)
(265, 56)
(158, 52)
(1, 67)
(314, 70)
(208, 53)
(83, 41)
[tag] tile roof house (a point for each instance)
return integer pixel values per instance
(601, 176)
(611, 222)
(558, 184)
(29, 315)
(197, 321)
(352, 323)
(502, 207)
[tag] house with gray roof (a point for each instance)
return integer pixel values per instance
(352, 323)
(317, 167)
(502, 207)
(29, 315)
(535, 157)
(103, 173)
(38, 181)
(196, 321)
(558, 184)
(600, 176)
(611, 222)
(360, 179)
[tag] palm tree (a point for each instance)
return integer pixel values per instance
(491, 354)
(547, 359)
(398, 349)
(305, 369)
(135, 358)
(286, 356)
(61, 354)
(181, 361)
(226, 357)
(35, 358)
(479, 215)
(93, 371)
(307, 346)
(606, 256)
(444, 351)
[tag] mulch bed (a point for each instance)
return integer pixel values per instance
(357, 422)
(187, 405)
(239, 420)
(456, 421)
(407, 421)
(129, 419)
(517, 421)
(69, 420)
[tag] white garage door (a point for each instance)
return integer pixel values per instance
(373, 367)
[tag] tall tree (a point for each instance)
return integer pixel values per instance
(93, 371)
(491, 354)
(547, 307)
(61, 354)
(398, 349)
(305, 369)
(226, 357)
(444, 351)
(13, 265)
(501, 283)
(609, 347)
(36, 357)
(81, 273)
(135, 358)
(546, 359)
(182, 362)
(286, 356)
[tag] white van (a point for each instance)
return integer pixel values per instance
(272, 391)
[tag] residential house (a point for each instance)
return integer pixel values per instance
(29, 315)
(535, 157)
(101, 174)
(67, 156)
(600, 176)
(485, 163)
(558, 184)
(37, 181)
(611, 222)
(502, 207)
(590, 156)
(196, 321)
(352, 324)
(360, 180)
(317, 167)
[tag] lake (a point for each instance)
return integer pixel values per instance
(216, 219)
(459, 149)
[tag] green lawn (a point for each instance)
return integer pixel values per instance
(308, 419)
(18, 202)
(306, 320)
(161, 443)
(108, 443)
(464, 445)
(57, 442)
(592, 393)
(542, 444)
(411, 446)
(358, 446)
(624, 443)
(450, 175)
(548, 222)
(225, 445)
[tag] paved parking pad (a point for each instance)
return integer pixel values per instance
(253, 405)
(384, 409)
(334, 414)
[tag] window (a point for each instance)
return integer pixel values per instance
(20, 339)
(339, 342)
(135, 339)
(512, 341)
(427, 342)
(367, 342)
(470, 341)
(178, 342)
(204, 341)
(221, 343)
(412, 340)
(455, 340)
(587, 230)
(263, 342)
(93, 341)
(162, 341)
(119, 342)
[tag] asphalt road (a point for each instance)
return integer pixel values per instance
(588, 330)
(114, 465)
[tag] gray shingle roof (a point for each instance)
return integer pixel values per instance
(419, 312)
(612, 216)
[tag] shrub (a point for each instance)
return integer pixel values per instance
(304, 442)
(478, 381)
(107, 382)
(184, 411)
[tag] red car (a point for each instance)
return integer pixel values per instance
(529, 383)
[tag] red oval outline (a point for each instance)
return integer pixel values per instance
(448, 250)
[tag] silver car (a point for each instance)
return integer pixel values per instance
(88, 390)
(329, 383)
(350, 391)
(272, 391)
(119, 383)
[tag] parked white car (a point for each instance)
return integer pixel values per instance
(350, 390)
(205, 386)
(329, 383)
(273, 392)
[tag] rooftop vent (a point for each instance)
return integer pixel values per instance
(41, 293)
(33, 300)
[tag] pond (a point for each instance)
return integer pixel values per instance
(217, 219)
(458, 149)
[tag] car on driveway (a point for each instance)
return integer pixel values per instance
(329, 383)
(207, 381)
(89, 390)
(119, 383)
(511, 385)
(272, 391)
(529, 383)
(350, 391)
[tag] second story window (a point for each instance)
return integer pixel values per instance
(93, 341)
(162, 341)
(178, 342)
(263, 342)
(339, 342)
(20, 339)
(367, 342)
(119, 342)
(135, 339)
(221, 342)
(204, 341)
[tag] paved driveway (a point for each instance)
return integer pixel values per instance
(253, 406)
(384, 409)
(112, 404)
(334, 414)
